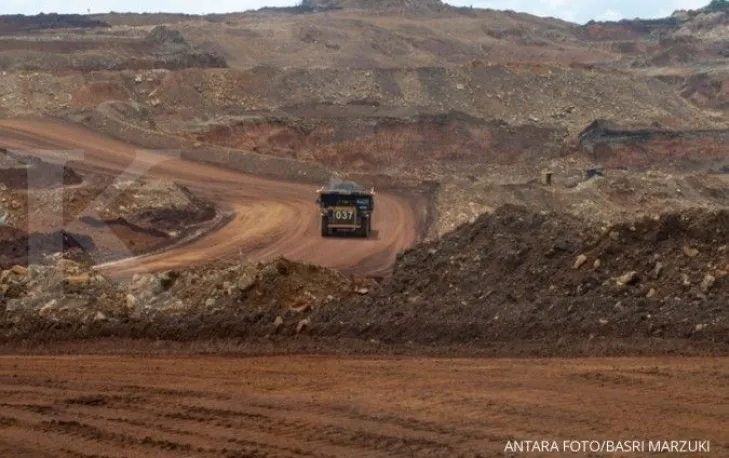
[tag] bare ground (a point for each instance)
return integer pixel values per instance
(73, 406)
(107, 218)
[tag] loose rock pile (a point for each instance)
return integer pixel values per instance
(70, 300)
(520, 276)
(515, 278)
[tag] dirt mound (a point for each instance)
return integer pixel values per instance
(168, 38)
(228, 300)
(19, 23)
(122, 217)
(521, 276)
(19, 248)
(19, 171)
(656, 147)
(513, 279)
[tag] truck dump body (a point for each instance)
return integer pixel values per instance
(345, 206)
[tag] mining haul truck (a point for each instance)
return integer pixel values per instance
(346, 208)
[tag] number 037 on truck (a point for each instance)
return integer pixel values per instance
(346, 207)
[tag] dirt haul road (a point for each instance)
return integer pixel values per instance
(271, 217)
(111, 406)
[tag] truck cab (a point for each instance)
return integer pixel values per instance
(346, 208)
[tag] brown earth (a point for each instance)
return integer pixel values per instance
(424, 94)
(520, 276)
(69, 301)
(18, 248)
(515, 282)
(101, 50)
(476, 100)
(20, 23)
(655, 148)
(277, 208)
(71, 406)
(44, 203)
(19, 171)
(372, 37)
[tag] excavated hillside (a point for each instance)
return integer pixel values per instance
(373, 38)
(379, 120)
(517, 282)
(352, 87)
(519, 276)
(655, 148)
(478, 101)
(687, 50)
(100, 49)
(413, 6)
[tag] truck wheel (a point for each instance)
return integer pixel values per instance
(366, 228)
(324, 227)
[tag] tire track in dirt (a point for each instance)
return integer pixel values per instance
(326, 407)
(272, 217)
(300, 429)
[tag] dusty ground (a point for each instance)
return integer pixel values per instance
(72, 406)
(268, 214)
(512, 283)
(479, 101)
(469, 98)
(107, 218)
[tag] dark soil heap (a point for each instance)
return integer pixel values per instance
(514, 282)
(69, 300)
(18, 171)
(18, 23)
(522, 276)
(20, 248)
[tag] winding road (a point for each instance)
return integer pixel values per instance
(270, 217)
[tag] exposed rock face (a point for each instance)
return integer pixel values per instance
(168, 38)
(511, 275)
(376, 5)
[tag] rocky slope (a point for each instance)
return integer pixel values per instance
(76, 50)
(45, 207)
(686, 50)
(379, 120)
(530, 282)
(517, 275)
(68, 300)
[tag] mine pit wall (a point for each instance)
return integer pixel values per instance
(474, 140)
(689, 150)
(423, 193)
(391, 145)
(420, 149)
(308, 149)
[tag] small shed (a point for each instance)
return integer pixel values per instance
(546, 178)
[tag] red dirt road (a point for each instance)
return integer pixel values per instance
(271, 217)
(111, 406)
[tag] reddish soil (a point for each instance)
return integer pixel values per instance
(375, 143)
(511, 277)
(508, 284)
(272, 217)
(323, 407)
(615, 146)
(39, 221)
